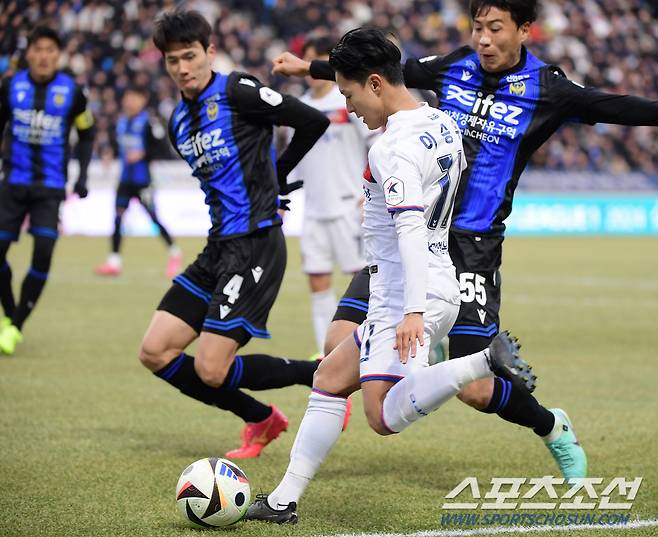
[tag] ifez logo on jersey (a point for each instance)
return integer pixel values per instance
(485, 105)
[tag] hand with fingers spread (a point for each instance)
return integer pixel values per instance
(411, 328)
(287, 64)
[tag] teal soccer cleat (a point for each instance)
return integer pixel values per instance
(564, 446)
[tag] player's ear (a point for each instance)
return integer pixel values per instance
(524, 32)
(211, 51)
(374, 83)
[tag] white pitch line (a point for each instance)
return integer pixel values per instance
(501, 530)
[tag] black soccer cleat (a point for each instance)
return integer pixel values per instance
(260, 510)
(505, 362)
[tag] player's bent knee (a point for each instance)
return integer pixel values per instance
(212, 371)
(154, 356)
(476, 394)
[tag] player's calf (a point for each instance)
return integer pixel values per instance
(477, 394)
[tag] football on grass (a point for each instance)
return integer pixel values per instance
(213, 492)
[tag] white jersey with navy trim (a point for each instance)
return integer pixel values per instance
(415, 165)
(332, 168)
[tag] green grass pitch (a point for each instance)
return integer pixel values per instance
(91, 444)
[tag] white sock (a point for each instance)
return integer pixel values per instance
(317, 434)
(556, 431)
(427, 388)
(323, 307)
(174, 250)
(114, 259)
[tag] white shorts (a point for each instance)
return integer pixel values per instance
(325, 242)
(376, 336)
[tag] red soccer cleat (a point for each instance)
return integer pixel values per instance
(173, 265)
(255, 436)
(348, 413)
(108, 269)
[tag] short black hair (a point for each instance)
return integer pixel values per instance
(322, 44)
(44, 32)
(364, 51)
(181, 26)
(522, 11)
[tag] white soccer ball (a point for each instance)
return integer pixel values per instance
(213, 492)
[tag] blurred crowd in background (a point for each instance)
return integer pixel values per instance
(610, 44)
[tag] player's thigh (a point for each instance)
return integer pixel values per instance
(336, 332)
(125, 192)
(338, 373)
(191, 292)
(347, 243)
(351, 311)
(166, 337)
(214, 358)
(478, 319)
(315, 246)
(249, 273)
(14, 205)
(44, 216)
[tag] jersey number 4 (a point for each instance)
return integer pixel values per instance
(440, 215)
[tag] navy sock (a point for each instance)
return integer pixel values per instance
(517, 406)
(180, 373)
(6, 292)
(263, 372)
(31, 289)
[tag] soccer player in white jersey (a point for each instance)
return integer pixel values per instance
(414, 169)
(332, 213)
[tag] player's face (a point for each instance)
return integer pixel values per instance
(133, 103)
(190, 67)
(364, 99)
(497, 39)
(309, 55)
(42, 57)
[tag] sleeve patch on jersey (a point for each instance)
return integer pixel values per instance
(393, 191)
(270, 96)
(427, 59)
(84, 121)
(247, 82)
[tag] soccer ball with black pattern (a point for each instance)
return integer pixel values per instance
(213, 492)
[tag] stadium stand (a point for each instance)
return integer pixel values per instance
(611, 44)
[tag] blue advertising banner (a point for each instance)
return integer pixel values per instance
(576, 214)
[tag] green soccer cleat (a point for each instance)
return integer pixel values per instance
(566, 450)
(9, 338)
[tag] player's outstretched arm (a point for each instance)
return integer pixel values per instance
(591, 105)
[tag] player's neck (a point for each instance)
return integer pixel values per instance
(399, 99)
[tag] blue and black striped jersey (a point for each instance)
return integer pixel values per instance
(225, 135)
(505, 117)
(134, 134)
(39, 118)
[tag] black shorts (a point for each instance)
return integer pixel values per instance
(231, 286)
(477, 261)
(19, 201)
(353, 306)
(128, 191)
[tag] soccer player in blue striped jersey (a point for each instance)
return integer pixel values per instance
(39, 106)
(223, 128)
(138, 137)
